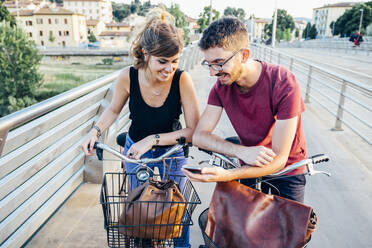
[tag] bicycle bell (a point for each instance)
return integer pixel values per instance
(143, 174)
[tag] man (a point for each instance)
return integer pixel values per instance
(356, 39)
(264, 105)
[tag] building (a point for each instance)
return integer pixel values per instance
(95, 26)
(53, 27)
(300, 25)
(14, 5)
(119, 26)
(92, 9)
(256, 28)
(194, 29)
(324, 16)
(114, 39)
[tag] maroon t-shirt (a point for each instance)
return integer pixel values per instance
(276, 95)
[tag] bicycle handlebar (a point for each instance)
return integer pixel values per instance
(319, 158)
(100, 147)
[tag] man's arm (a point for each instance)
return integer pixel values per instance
(283, 135)
(203, 136)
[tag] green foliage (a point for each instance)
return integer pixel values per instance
(19, 61)
(239, 13)
(92, 38)
(313, 32)
(348, 23)
(5, 16)
(51, 37)
(284, 22)
(120, 11)
(107, 61)
(203, 20)
(305, 33)
(181, 21)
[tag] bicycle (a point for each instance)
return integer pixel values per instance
(225, 162)
(116, 188)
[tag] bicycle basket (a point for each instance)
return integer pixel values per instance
(203, 219)
(114, 198)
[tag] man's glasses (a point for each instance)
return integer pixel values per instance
(218, 66)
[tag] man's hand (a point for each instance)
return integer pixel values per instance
(255, 155)
(210, 174)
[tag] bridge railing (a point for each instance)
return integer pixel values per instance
(41, 161)
(347, 100)
(338, 45)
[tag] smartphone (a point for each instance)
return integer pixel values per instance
(193, 169)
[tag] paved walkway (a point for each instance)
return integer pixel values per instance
(342, 202)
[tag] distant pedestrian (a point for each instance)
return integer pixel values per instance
(356, 38)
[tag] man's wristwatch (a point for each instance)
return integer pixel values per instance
(157, 139)
(98, 131)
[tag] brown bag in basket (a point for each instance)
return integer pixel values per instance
(160, 219)
(240, 216)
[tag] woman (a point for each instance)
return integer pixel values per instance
(158, 91)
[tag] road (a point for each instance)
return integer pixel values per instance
(357, 67)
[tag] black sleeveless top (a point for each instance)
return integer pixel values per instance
(147, 120)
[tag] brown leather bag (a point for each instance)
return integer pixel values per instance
(153, 210)
(240, 216)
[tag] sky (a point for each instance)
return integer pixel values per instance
(260, 8)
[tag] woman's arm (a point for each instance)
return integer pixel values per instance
(121, 94)
(191, 111)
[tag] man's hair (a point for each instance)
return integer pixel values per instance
(228, 32)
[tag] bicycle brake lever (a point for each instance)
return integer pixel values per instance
(320, 172)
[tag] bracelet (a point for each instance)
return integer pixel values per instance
(157, 139)
(98, 131)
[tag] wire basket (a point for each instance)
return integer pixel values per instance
(203, 219)
(113, 198)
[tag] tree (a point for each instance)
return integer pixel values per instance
(284, 22)
(348, 23)
(297, 33)
(239, 13)
(19, 61)
(305, 33)
(203, 20)
(181, 21)
(92, 38)
(120, 11)
(5, 16)
(313, 32)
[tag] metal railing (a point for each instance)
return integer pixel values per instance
(339, 45)
(349, 101)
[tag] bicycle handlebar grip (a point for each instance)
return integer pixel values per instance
(181, 140)
(319, 158)
(99, 152)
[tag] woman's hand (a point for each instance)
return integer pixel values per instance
(141, 147)
(88, 143)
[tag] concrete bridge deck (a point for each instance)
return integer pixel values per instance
(341, 202)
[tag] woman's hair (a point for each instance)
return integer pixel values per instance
(159, 38)
(228, 32)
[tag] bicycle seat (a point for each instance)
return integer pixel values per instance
(121, 138)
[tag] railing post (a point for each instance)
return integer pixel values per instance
(340, 110)
(3, 135)
(271, 54)
(307, 94)
(291, 64)
(264, 54)
(278, 58)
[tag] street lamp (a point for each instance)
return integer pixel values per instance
(273, 36)
(361, 19)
